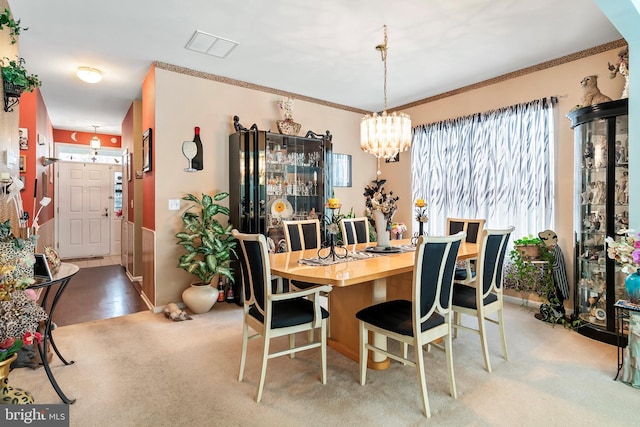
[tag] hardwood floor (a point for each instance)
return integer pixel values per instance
(100, 290)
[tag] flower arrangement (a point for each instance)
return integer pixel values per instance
(622, 64)
(421, 211)
(398, 228)
(625, 251)
(20, 315)
(377, 199)
(286, 105)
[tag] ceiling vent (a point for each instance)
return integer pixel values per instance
(211, 45)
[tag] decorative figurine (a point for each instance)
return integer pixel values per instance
(554, 310)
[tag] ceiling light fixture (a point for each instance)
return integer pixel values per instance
(385, 135)
(89, 75)
(95, 141)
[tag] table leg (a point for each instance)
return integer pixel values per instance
(42, 347)
(379, 361)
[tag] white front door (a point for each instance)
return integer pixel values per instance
(84, 195)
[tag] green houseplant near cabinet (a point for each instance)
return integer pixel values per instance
(208, 244)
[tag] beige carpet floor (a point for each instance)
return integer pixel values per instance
(144, 370)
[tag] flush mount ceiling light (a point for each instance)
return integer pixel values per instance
(211, 45)
(95, 141)
(385, 135)
(89, 75)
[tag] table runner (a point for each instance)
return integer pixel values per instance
(351, 256)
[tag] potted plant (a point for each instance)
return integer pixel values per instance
(208, 244)
(525, 275)
(6, 20)
(15, 77)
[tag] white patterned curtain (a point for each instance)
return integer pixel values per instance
(496, 165)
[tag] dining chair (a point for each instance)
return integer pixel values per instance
(273, 315)
(302, 234)
(355, 230)
(422, 320)
(486, 297)
(465, 270)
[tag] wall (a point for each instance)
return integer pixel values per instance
(561, 81)
(183, 102)
(9, 123)
(83, 138)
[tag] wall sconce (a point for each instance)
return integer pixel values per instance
(341, 170)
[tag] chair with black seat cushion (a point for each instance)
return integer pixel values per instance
(422, 320)
(355, 230)
(465, 271)
(486, 297)
(274, 315)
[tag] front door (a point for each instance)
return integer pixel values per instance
(84, 201)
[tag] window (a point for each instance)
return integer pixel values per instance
(496, 165)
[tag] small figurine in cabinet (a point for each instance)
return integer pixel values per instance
(621, 153)
(588, 155)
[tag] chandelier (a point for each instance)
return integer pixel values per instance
(385, 135)
(95, 141)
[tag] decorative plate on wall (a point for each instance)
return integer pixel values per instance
(281, 208)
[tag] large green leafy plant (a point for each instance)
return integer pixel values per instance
(13, 72)
(208, 243)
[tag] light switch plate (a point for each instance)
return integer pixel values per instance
(174, 204)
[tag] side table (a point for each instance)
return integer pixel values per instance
(54, 289)
(623, 312)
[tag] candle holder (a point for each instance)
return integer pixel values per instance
(422, 219)
(333, 250)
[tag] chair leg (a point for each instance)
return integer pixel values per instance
(364, 340)
(457, 317)
(422, 380)
(292, 345)
(243, 357)
(482, 328)
(323, 350)
(448, 349)
(263, 371)
(502, 333)
(405, 350)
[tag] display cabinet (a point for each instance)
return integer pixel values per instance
(601, 209)
(275, 177)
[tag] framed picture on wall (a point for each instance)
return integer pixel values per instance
(146, 151)
(23, 163)
(23, 138)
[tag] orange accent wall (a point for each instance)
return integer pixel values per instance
(148, 178)
(83, 138)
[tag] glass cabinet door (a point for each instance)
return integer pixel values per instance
(295, 181)
(601, 210)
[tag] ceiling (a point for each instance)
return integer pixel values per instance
(318, 49)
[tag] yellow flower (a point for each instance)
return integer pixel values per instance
(420, 203)
(333, 204)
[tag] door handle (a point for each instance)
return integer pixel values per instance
(106, 212)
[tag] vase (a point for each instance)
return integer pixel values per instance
(199, 297)
(288, 127)
(382, 234)
(632, 285)
(11, 395)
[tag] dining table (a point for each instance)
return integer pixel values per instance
(361, 279)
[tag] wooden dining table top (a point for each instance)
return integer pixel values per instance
(352, 272)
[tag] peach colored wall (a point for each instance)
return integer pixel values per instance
(561, 81)
(183, 102)
(148, 178)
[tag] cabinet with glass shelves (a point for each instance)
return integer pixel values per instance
(275, 177)
(601, 210)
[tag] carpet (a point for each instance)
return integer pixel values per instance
(143, 370)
